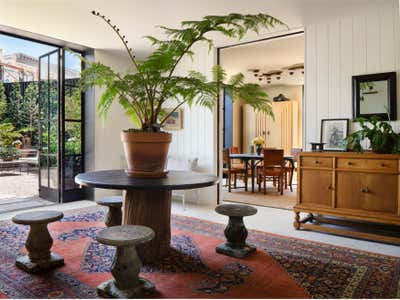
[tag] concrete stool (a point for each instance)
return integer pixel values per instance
(126, 265)
(235, 231)
(39, 242)
(114, 204)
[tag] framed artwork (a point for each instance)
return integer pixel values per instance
(333, 131)
(375, 95)
(175, 121)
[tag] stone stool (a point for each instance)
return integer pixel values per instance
(126, 265)
(235, 231)
(39, 242)
(114, 204)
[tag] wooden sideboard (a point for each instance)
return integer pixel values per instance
(348, 186)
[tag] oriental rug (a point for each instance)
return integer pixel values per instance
(282, 267)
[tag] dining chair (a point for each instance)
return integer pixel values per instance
(273, 169)
(232, 172)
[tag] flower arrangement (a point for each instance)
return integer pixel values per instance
(259, 143)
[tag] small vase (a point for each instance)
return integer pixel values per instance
(259, 149)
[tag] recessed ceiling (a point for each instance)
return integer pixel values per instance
(266, 56)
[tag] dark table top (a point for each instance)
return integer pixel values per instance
(118, 180)
(255, 156)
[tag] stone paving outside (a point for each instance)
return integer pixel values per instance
(19, 191)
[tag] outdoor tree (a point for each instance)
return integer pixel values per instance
(3, 102)
(15, 101)
(29, 109)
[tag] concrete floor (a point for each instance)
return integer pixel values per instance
(277, 221)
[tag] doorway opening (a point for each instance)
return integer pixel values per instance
(41, 124)
(277, 64)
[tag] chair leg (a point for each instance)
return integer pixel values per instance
(281, 184)
(265, 185)
(286, 175)
(229, 182)
(234, 180)
(259, 182)
(245, 181)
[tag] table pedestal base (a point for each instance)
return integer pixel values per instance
(109, 289)
(150, 208)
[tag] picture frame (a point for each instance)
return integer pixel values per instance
(375, 95)
(175, 121)
(333, 131)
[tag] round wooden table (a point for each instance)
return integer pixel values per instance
(148, 201)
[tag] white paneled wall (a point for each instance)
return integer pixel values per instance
(337, 50)
(196, 139)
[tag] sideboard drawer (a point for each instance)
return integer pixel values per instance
(382, 164)
(367, 164)
(316, 162)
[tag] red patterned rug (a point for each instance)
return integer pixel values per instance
(282, 267)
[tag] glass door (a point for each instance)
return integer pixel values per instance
(61, 126)
(49, 96)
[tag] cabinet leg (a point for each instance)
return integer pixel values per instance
(296, 222)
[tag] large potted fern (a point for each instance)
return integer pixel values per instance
(144, 92)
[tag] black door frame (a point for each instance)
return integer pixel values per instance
(78, 193)
(218, 129)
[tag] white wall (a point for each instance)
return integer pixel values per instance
(368, 42)
(197, 137)
(108, 150)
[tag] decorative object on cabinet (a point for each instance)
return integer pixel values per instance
(316, 147)
(375, 95)
(333, 132)
(381, 136)
(175, 120)
(343, 187)
(281, 98)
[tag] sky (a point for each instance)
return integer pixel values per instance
(11, 45)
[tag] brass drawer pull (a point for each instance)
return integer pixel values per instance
(330, 188)
(349, 163)
(366, 190)
(317, 162)
(383, 165)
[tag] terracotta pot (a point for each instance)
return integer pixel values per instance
(146, 153)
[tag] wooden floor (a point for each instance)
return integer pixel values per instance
(271, 199)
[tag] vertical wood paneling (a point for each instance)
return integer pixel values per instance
(196, 139)
(359, 45)
(335, 51)
(346, 68)
(333, 65)
(310, 111)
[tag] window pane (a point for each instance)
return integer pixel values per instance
(73, 166)
(72, 138)
(72, 102)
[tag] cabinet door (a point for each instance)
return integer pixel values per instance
(367, 192)
(316, 188)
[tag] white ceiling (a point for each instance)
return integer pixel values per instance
(71, 20)
(266, 56)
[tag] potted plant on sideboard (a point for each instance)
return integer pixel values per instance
(144, 92)
(380, 134)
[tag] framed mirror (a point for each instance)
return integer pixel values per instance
(375, 95)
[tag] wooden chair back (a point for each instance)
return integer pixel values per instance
(273, 158)
(226, 159)
(234, 150)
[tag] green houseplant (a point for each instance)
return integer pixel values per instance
(380, 134)
(144, 92)
(8, 137)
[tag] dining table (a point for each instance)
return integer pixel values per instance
(252, 159)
